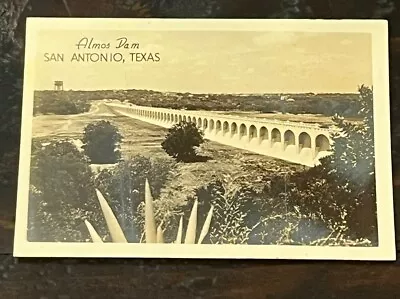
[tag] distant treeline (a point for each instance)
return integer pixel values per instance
(59, 102)
(346, 105)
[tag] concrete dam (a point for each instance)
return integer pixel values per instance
(296, 142)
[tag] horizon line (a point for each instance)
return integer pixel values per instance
(200, 93)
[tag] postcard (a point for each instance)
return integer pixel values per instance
(205, 138)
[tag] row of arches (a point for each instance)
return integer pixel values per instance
(241, 131)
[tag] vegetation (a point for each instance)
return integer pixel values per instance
(124, 186)
(346, 105)
(59, 102)
(101, 142)
(331, 204)
(151, 233)
(182, 140)
(341, 190)
(232, 210)
(62, 194)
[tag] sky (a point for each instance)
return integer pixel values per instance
(212, 61)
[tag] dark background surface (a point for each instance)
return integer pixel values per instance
(140, 278)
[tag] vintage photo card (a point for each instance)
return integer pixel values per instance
(184, 138)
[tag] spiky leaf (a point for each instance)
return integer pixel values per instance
(190, 237)
(206, 226)
(180, 229)
(93, 234)
(149, 223)
(160, 234)
(117, 235)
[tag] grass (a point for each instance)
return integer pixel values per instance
(139, 137)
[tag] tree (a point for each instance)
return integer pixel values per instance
(182, 140)
(101, 142)
(61, 194)
(354, 164)
(341, 190)
(354, 144)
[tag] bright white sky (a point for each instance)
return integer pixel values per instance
(214, 62)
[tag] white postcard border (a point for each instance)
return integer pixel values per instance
(385, 213)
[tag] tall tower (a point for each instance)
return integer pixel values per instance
(58, 85)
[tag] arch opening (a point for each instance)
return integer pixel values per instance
(205, 123)
(304, 140)
(252, 132)
(218, 126)
(225, 128)
(242, 131)
(234, 129)
(322, 143)
(275, 135)
(211, 124)
(289, 138)
(263, 134)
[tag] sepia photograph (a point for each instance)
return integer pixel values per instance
(205, 139)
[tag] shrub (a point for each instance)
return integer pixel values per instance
(233, 211)
(182, 140)
(61, 194)
(101, 142)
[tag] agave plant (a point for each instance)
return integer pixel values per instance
(153, 233)
(93, 234)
